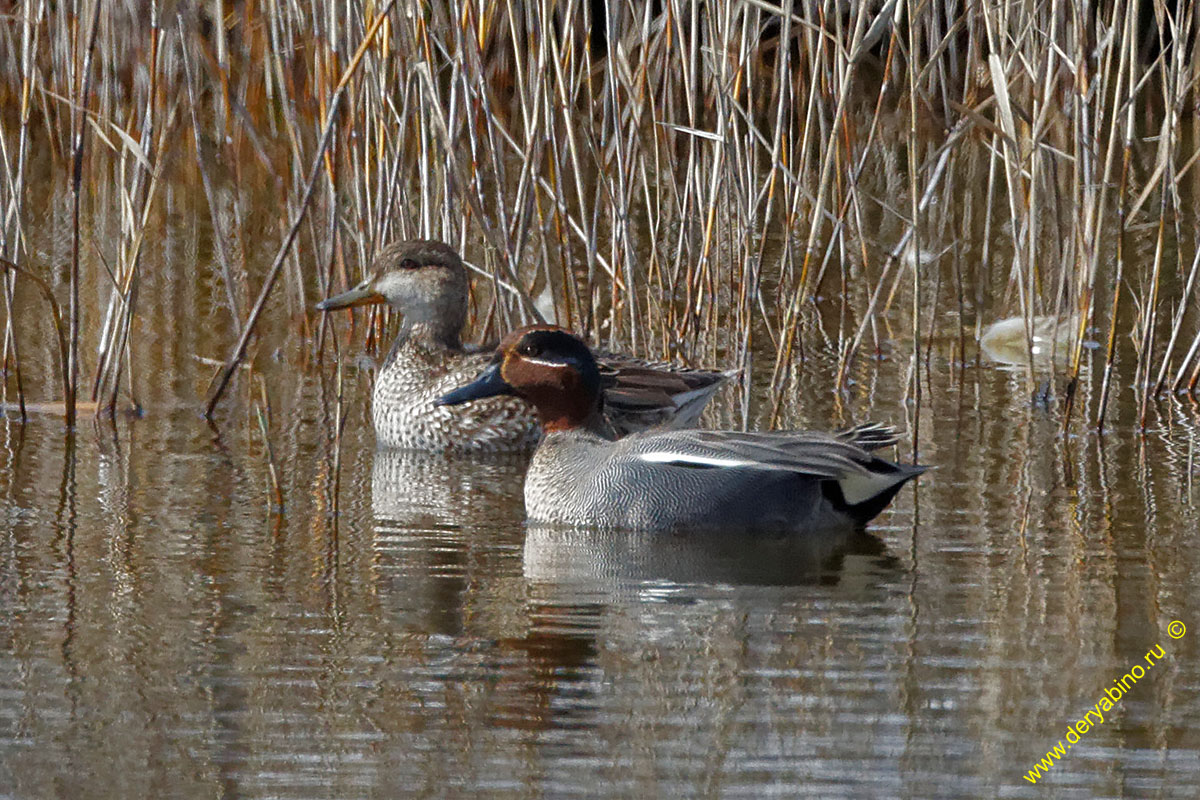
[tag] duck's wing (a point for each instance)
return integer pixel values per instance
(810, 453)
(641, 395)
(870, 435)
(865, 482)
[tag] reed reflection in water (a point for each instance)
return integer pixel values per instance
(165, 632)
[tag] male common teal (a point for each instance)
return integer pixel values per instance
(426, 282)
(687, 479)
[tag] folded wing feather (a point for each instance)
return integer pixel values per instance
(818, 455)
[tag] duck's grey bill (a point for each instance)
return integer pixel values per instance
(488, 384)
(358, 296)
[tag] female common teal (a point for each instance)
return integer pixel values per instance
(425, 281)
(688, 479)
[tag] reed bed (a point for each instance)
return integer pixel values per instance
(703, 181)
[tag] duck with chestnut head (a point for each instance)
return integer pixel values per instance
(672, 480)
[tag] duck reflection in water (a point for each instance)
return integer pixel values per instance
(427, 508)
(412, 489)
(446, 566)
(616, 562)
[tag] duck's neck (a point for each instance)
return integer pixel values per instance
(417, 344)
(431, 334)
(583, 417)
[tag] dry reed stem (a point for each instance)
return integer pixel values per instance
(239, 351)
(79, 139)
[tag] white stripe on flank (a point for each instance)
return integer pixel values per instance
(660, 457)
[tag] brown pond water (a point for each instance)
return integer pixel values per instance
(166, 631)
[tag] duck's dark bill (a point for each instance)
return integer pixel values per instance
(358, 296)
(488, 384)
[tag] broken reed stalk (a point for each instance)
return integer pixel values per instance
(239, 350)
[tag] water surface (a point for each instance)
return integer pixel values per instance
(167, 631)
(394, 628)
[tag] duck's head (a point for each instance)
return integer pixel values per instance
(423, 279)
(546, 366)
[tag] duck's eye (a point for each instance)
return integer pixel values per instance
(529, 349)
(409, 263)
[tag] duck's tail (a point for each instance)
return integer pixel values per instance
(863, 495)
